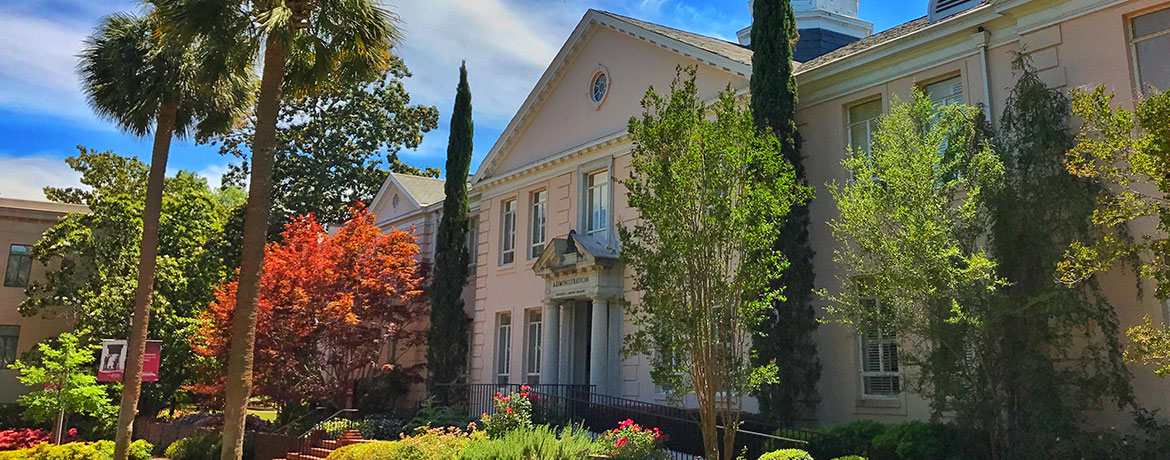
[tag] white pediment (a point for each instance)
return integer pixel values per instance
(562, 114)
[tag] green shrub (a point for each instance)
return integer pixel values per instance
(427, 444)
(204, 445)
(513, 412)
(540, 443)
(850, 457)
(843, 440)
(631, 441)
(100, 450)
(200, 446)
(357, 451)
(917, 440)
(786, 454)
(433, 415)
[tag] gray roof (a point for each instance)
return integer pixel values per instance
(596, 247)
(425, 190)
(742, 54)
(867, 43)
(733, 51)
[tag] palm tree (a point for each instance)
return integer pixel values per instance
(305, 44)
(131, 78)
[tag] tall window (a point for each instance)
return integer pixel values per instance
(19, 265)
(946, 92)
(537, 226)
(533, 328)
(508, 232)
(879, 364)
(862, 124)
(9, 338)
(473, 241)
(597, 203)
(503, 346)
(1150, 40)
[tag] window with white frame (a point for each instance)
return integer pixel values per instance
(503, 346)
(862, 124)
(533, 328)
(508, 232)
(945, 92)
(1149, 42)
(473, 241)
(879, 364)
(597, 203)
(19, 267)
(9, 340)
(537, 225)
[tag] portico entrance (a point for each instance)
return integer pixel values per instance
(582, 314)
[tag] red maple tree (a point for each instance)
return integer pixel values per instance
(331, 305)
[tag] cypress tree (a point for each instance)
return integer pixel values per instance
(786, 336)
(447, 335)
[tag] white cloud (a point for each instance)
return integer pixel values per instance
(38, 60)
(28, 174)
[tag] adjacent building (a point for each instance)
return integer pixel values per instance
(22, 222)
(548, 281)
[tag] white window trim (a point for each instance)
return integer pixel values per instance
(606, 203)
(583, 171)
(1132, 42)
(866, 374)
(950, 99)
(600, 70)
(507, 231)
(503, 356)
(532, 224)
(533, 345)
(870, 125)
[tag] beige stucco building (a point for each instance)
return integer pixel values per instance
(22, 222)
(544, 298)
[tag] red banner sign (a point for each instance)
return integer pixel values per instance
(113, 360)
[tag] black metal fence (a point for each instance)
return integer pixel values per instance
(566, 404)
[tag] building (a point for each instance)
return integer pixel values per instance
(414, 203)
(21, 224)
(547, 279)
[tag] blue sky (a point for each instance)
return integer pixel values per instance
(507, 45)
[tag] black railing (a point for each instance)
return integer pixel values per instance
(552, 403)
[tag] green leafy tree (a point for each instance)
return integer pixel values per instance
(91, 262)
(1130, 151)
(909, 238)
(702, 253)
(69, 386)
(785, 337)
(447, 334)
(131, 77)
(335, 147)
(1020, 393)
(306, 45)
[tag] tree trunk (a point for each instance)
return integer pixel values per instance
(242, 348)
(59, 427)
(147, 259)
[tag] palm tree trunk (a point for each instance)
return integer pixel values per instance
(256, 213)
(147, 259)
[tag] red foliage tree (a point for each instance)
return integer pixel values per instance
(330, 306)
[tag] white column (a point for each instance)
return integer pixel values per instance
(599, 345)
(550, 343)
(568, 320)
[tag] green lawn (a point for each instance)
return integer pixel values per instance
(267, 415)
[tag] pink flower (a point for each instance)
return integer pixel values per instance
(620, 442)
(509, 410)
